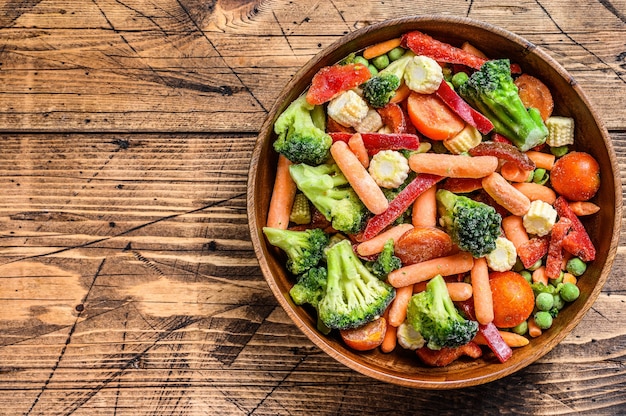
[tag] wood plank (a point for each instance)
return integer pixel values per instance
(180, 66)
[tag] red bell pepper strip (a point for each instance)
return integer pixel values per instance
(331, 81)
(399, 204)
(533, 250)
(463, 185)
(463, 109)
(577, 242)
(495, 342)
(498, 138)
(375, 142)
(422, 44)
(555, 250)
(504, 151)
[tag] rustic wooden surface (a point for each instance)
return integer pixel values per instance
(128, 284)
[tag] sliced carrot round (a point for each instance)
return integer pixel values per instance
(432, 117)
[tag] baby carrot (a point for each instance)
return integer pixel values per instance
(390, 339)
(535, 191)
(582, 208)
(453, 166)
(457, 263)
(569, 278)
(398, 308)
(539, 275)
(505, 194)
(533, 329)
(511, 172)
(514, 230)
(459, 291)
(483, 301)
(401, 94)
(358, 177)
(375, 244)
(355, 143)
(542, 160)
(380, 48)
(511, 339)
(424, 211)
(283, 194)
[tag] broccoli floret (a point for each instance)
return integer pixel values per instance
(491, 91)
(301, 133)
(378, 90)
(304, 249)
(329, 191)
(310, 289)
(354, 296)
(474, 226)
(386, 262)
(433, 314)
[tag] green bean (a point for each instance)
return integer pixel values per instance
(559, 151)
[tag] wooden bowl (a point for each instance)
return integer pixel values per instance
(403, 367)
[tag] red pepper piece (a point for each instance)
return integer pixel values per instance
(399, 204)
(462, 185)
(495, 342)
(333, 127)
(555, 250)
(504, 151)
(393, 117)
(444, 356)
(463, 109)
(497, 137)
(577, 242)
(375, 142)
(533, 250)
(330, 81)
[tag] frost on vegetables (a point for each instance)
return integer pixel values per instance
(415, 125)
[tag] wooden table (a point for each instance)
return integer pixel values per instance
(128, 283)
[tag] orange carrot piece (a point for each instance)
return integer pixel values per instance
(483, 301)
(514, 230)
(355, 143)
(539, 275)
(569, 278)
(398, 308)
(401, 94)
(283, 194)
(511, 172)
(511, 339)
(457, 263)
(424, 213)
(533, 329)
(542, 160)
(582, 208)
(358, 177)
(468, 47)
(535, 191)
(453, 166)
(375, 244)
(459, 291)
(380, 48)
(390, 340)
(505, 194)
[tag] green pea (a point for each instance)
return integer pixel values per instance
(520, 329)
(559, 303)
(381, 62)
(544, 301)
(543, 319)
(555, 282)
(535, 266)
(527, 275)
(459, 78)
(373, 70)
(540, 176)
(360, 60)
(559, 151)
(396, 53)
(569, 292)
(576, 266)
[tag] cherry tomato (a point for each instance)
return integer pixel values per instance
(576, 176)
(366, 337)
(513, 298)
(535, 93)
(421, 244)
(432, 117)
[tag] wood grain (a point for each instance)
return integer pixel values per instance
(128, 283)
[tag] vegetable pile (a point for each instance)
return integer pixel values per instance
(427, 199)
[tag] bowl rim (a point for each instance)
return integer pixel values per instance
(258, 240)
